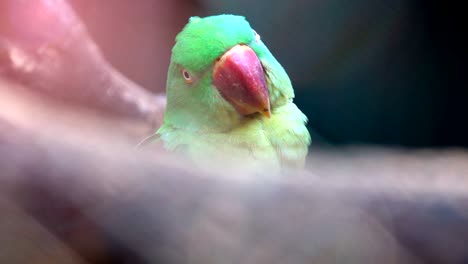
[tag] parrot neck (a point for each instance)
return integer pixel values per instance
(214, 117)
(204, 122)
(198, 107)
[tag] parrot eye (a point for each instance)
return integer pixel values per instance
(187, 76)
(257, 36)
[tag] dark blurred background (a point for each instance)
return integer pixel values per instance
(364, 71)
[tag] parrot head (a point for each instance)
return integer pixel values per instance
(221, 74)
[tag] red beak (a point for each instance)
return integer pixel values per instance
(238, 75)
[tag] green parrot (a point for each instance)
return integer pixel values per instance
(229, 101)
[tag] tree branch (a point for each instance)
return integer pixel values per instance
(45, 47)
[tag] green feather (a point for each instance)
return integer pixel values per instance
(204, 39)
(201, 124)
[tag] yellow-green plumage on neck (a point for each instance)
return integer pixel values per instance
(201, 119)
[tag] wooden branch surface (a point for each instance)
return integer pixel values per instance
(45, 47)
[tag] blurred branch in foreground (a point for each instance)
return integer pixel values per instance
(95, 198)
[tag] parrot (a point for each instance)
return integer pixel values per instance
(229, 101)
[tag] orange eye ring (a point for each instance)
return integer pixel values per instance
(187, 76)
